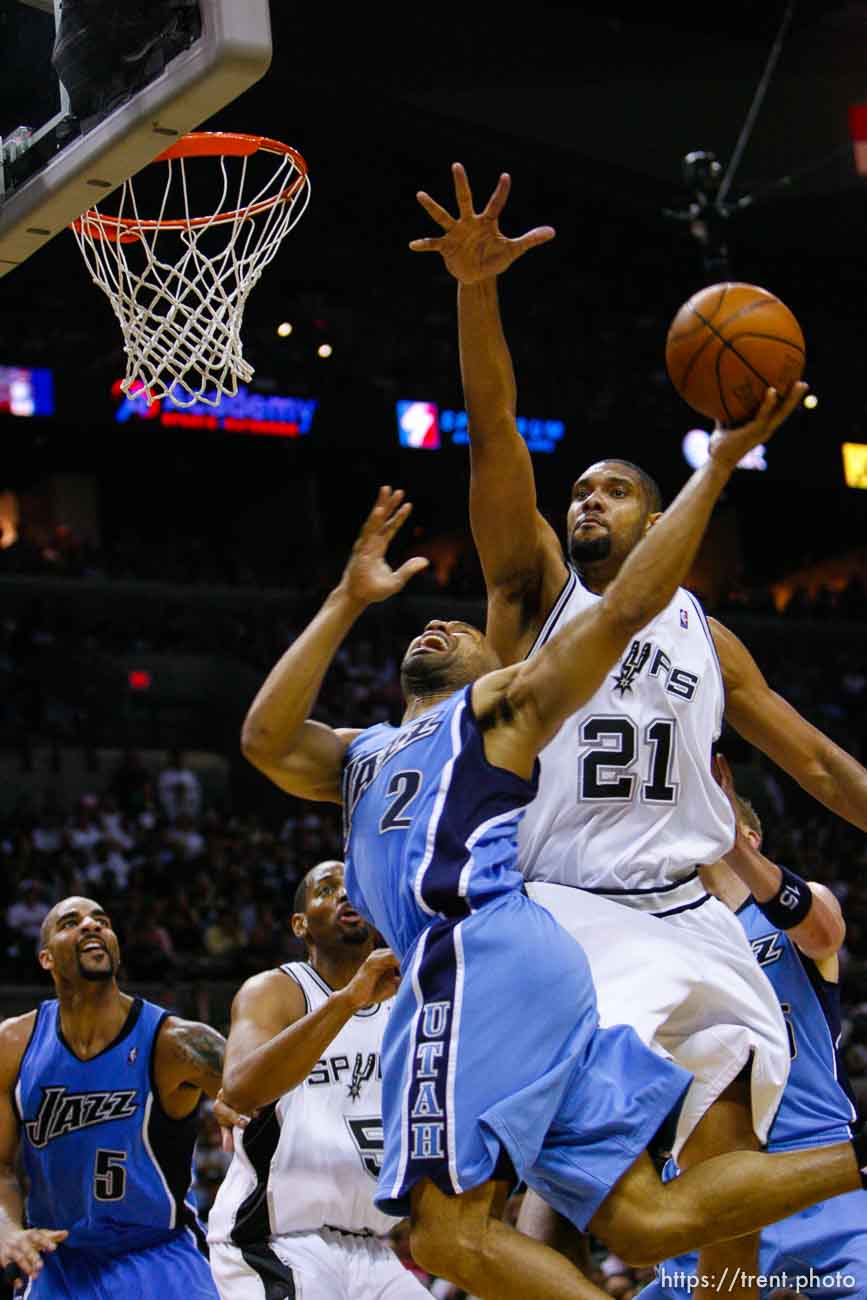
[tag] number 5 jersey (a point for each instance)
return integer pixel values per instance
(311, 1159)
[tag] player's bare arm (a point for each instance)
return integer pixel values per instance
(18, 1245)
(523, 563)
(300, 755)
(188, 1060)
(274, 1043)
(821, 933)
(770, 723)
(539, 694)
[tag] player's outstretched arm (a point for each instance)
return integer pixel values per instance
(570, 668)
(273, 1045)
(770, 723)
(305, 757)
(783, 896)
(522, 560)
(18, 1245)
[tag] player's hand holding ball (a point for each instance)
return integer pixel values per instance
(731, 445)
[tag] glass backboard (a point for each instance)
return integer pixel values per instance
(103, 89)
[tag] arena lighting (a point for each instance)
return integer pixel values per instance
(284, 329)
(26, 392)
(695, 451)
(324, 350)
(139, 679)
(811, 401)
(855, 464)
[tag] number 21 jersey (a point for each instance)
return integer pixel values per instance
(627, 800)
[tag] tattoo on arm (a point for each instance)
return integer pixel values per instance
(202, 1050)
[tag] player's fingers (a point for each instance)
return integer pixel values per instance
(793, 399)
(26, 1258)
(463, 193)
(395, 518)
(410, 568)
(377, 514)
(497, 201)
(433, 245)
(435, 210)
(533, 238)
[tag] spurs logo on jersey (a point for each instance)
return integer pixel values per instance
(63, 1112)
(312, 1158)
(627, 801)
(678, 681)
(332, 1070)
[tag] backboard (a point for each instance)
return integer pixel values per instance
(168, 66)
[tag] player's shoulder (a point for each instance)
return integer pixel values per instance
(15, 1034)
(274, 992)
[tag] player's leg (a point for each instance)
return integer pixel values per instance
(463, 1239)
(727, 1126)
(539, 1221)
(721, 1198)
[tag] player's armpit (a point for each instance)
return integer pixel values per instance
(189, 1060)
(770, 723)
(311, 768)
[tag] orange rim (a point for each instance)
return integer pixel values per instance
(198, 144)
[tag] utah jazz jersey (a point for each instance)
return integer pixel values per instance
(627, 801)
(311, 1159)
(101, 1157)
(817, 1106)
(430, 826)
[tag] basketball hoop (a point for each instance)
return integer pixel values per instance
(181, 316)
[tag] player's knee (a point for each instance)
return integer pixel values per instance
(637, 1240)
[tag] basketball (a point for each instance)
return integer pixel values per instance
(727, 345)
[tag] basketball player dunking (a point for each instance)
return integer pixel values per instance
(294, 1215)
(627, 805)
(822, 1251)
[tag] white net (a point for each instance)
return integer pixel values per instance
(179, 284)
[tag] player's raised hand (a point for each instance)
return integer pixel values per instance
(472, 245)
(24, 1246)
(730, 445)
(376, 980)
(368, 577)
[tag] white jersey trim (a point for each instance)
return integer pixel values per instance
(404, 1121)
(550, 624)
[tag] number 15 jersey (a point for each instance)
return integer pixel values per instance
(627, 801)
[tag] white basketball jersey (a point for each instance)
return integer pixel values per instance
(627, 800)
(312, 1159)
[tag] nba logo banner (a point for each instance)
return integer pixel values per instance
(684, 618)
(418, 425)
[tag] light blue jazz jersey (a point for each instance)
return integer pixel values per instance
(821, 1251)
(493, 1042)
(103, 1160)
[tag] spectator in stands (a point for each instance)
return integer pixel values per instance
(178, 788)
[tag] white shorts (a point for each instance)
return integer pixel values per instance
(325, 1265)
(697, 995)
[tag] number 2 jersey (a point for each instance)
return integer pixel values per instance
(311, 1159)
(100, 1156)
(627, 801)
